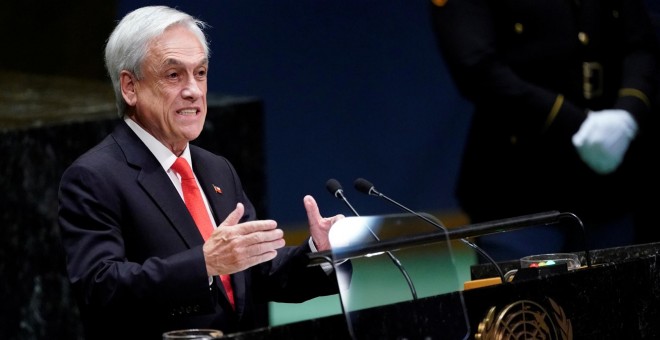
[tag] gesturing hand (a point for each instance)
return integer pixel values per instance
(234, 247)
(319, 226)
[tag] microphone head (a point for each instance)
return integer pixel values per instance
(363, 186)
(334, 187)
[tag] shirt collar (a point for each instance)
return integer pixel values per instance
(164, 156)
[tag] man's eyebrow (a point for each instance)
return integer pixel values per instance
(177, 62)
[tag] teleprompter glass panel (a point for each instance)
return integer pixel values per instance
(398, 278)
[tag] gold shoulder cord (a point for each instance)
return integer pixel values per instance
(554, 111)
(635, 93)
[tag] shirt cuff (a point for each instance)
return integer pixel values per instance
(327, 267)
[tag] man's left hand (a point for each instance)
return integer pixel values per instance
(319, 226)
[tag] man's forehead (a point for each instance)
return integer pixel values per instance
(177, 39)
(176, 57)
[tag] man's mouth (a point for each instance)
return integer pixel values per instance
(188, 112)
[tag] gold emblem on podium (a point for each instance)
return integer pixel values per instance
(525, 319)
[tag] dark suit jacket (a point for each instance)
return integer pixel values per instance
(522, 66)
(135, 256)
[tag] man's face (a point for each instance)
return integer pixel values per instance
(170, 99)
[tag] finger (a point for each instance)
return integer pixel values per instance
(255, 260)
(235, 216)
(336, 218)
(250, 227)
(256, 254)
(261, 248)
(260, 237)
(247, 233)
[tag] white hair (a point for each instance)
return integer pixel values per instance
(128, 43)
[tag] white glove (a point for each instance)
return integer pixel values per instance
(603, 139)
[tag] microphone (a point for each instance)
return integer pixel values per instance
(364, 186)
(334, 187)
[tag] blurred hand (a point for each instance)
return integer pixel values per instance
(603, 139)
(234, 247)
(319, 226)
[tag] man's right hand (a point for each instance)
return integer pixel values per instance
(237, 246)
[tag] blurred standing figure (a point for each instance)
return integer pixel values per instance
(562, 92)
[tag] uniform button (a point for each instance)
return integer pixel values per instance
(518, 27)
(584, 38)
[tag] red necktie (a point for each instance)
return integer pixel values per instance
(193, 198)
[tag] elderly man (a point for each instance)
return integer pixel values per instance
(145, 251)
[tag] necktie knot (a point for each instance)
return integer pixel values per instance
(182, 168)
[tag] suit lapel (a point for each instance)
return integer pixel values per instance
(157, 184)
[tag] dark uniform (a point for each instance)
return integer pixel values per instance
(533, 69)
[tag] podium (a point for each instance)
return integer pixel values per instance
(616, 297)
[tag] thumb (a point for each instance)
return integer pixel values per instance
(235, 216)
(312, 208)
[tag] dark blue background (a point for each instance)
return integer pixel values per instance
(351, 89)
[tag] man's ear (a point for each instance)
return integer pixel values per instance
(128, 84)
